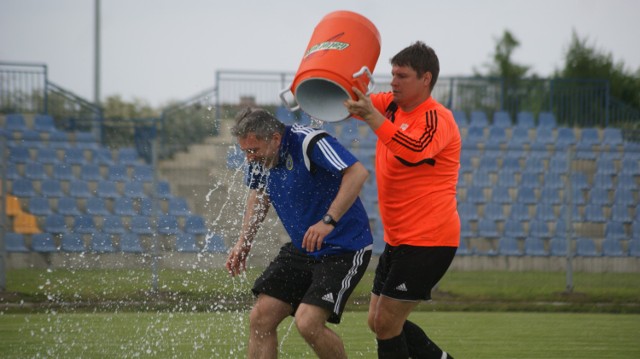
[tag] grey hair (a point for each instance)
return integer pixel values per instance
(257, 121)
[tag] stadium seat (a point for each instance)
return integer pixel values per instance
(103, 156)
(25, 223)
(502, 119)
(496, 138)
(594, 213)
(84, 224)
(101, 243)
(625, 196)
(79, 189)
(508, 246)
(612, 138)
(118, 173)
(513, 228)
(141, 225)
(168, 225)
(35, 171)
(12, 172)
(559, 164)
(107, 189)
(544, 212)
(23, 187)
(63, 172)
(620, 213)
(97, 206)
(481, 179)
(475, 195)
(74, 156)
(602, 180)
(511, 165)
(546, 120)
(539, 229)
(58, 140)
(44, 123)
(72, 242)
(51, 188)
(534, 247)
(178, 206)
(85, 140)
(128, 156)
(143, 173)
(463, 248)
(14, 243)
(130, 243)
(186, 242)
(579, 180)
(550, 196)
(468, 211)
(634, 247)
(43, 243)
(553, 180)
(487, 228)
(478, 119)
(558, 246)
(599, 196)
(494, 211)
(525, 120)
(91, 172)
(67, 206)
(519, 212)
(589, 138)
(195, 224)
(586, 247)
(500, 195)
(612, 248)
(123, 206)
(630, 166)
(214, 243)
(466, 230)
(55, 223)
(488, 163)
(112, 224)
(39, 206)
(460, 117)
(163, 190)
(134, 189)
(526, 195)
(565, 138)
(626, 181)
(15, 122)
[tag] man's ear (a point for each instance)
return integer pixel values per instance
(277, 138)
(427, 78)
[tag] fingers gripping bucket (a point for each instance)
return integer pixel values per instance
(341, 54)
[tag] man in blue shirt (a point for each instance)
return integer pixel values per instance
(313, 183)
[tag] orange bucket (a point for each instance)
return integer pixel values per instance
(342, 53)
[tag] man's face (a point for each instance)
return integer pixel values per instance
(409, 89)
(261, 151)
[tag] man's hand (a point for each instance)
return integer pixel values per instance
(237, 259)
(314, 236)
(364, 109)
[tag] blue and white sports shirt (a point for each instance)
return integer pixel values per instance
(303, 184)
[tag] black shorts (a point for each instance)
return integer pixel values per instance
(410, 272)
(295, 278)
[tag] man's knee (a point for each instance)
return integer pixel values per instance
(310, 321)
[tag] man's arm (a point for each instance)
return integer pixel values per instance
(256, 209)
(353, 179)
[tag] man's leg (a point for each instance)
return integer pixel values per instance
(311, 323)
(267, 313)
(387, 319)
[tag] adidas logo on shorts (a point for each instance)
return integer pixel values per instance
(402, 287)
(328, 298)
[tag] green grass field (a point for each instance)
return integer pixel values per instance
(224, 335)
(67, 313)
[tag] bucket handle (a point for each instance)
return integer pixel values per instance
(284, 100)
(372, 83)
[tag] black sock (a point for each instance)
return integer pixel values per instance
(419, 344)
(393, 348)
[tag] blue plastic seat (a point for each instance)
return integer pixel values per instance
(475, 135)
(634, 247)
(128, 156)
(497, 137)
(59, 140)
(19, 154)
(553, 180)
(134, 189)
(123, 206)
(506, 179)
(186, 242)
(534, 247)
(55, 223)
(39, 206)
(630, 165)
(594, 213)
(589, 137)
(44, 123)
(550, 196)
(12, 173)
(68, 206)
(195, 224)
(15, 122)
(118, 173)
(73, 242)
(97, 206)
(214, 243)
(143, 173)
(91, 172)
(519, 212)
(101, 243)
(141, 225)
(103, 156)
(624, 196)
(178, 206)
(620, 213)
(468, 211)
(168, 225)
(481, 179)
(130, 243)
(51, 188)
(543, 136)
(475, 195)
(43, 243)
(502, 119)
(112, 224)
(513, 228)
(163, 190)
(85, 140)
(487, 228)
(519, 137)
(586, 247)
(508, 246)
(526, 195)
(107, 189)
(604, 181)
(14, 243)
(466, 229)
(579, 180)
(612, 137)
(539, 229)
(500, 195)
(79, 189)
(494, 211)
(23, 187)
(47, 156)
(559, 164)
(544, 212)
(460, 117)
(612, 248)
(63, 172)
(35, 171)
(525, 119)
(74, 156)
(626, 181)
(558, 246)
(478, 119)
(488, 163)
(84, 224)
(547, 120)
